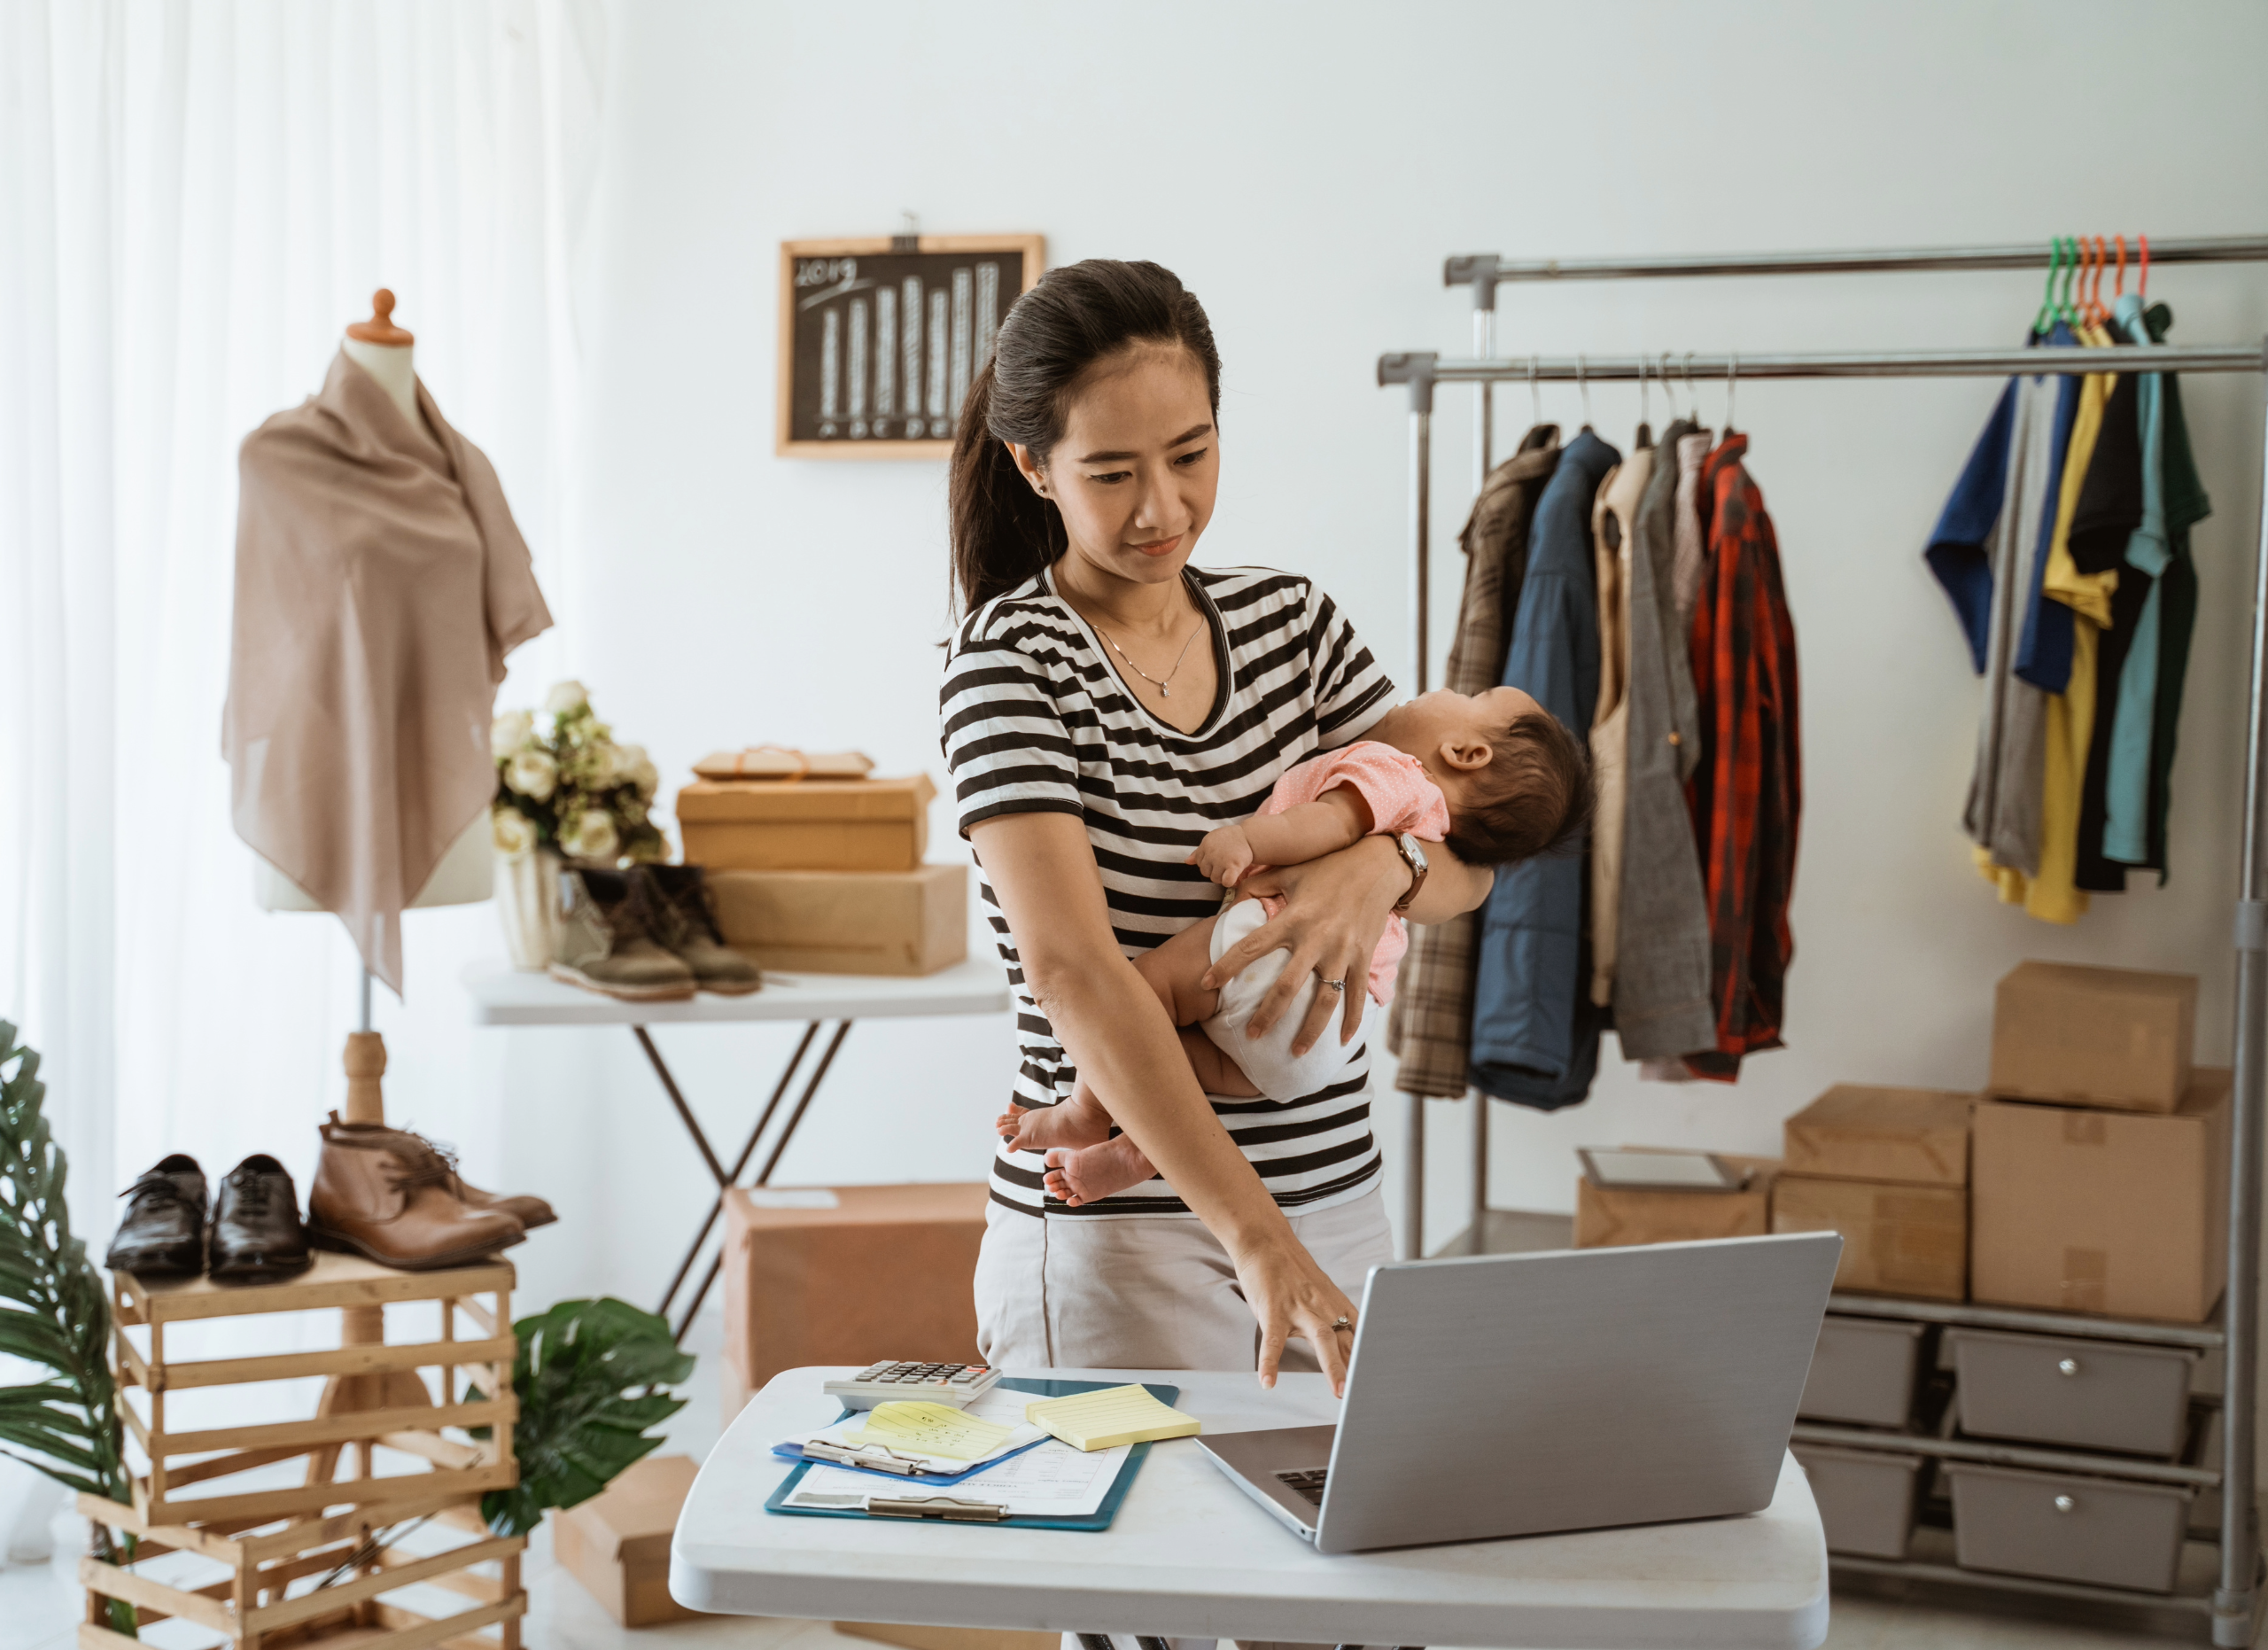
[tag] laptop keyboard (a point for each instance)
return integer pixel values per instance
(1308, 1485)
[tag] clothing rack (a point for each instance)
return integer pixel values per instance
(2234, 1602)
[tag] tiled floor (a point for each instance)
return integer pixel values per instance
(41, 1603)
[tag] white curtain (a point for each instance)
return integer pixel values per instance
(194, 201)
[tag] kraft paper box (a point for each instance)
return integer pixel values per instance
(2085, 1211)
(617, 1542)
(1609, 1216)
(2094, 1037)
(850, 1275)
(1897, 1240)
(812, 825)
(847, 921)
(1909, 1136)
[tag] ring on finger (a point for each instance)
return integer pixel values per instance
(1338, 986)
(1342, 1322)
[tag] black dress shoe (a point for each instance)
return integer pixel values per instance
(163, 1233)
(257, 1236)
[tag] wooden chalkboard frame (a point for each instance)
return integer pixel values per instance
(1033, 248)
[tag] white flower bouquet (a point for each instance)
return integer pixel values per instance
(563, 783)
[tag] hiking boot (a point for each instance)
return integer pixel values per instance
(682, 914)
(257, 1236)
(606, 942)
(386, 1194)
(163, 1232)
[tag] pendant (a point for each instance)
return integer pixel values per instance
(1164, 692)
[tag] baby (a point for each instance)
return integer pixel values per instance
(1492, 775)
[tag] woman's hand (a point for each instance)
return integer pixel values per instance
(1335, 911)
(1291, 1296)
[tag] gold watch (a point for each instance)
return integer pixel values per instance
(1413, 855)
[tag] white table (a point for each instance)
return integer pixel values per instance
(1189, 1555)
(506, 996)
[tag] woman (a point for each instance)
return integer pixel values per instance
(1105, 704)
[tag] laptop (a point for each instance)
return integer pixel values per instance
(1516, 1395)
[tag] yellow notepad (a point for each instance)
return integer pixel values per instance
(1116, 1415)
(924, 1429)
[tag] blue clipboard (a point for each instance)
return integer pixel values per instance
(941, 1481)
(1099, 1519)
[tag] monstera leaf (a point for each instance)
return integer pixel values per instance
(579, 1424)
(54, 1313)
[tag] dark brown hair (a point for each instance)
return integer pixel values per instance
(1536, 797)
(1002, 533)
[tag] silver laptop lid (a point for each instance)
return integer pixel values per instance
(1509, 1395)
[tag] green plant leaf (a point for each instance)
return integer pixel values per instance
(580, 1425)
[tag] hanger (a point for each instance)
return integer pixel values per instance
(1732, 383)
(1645, 410)
(1535, 395)
(2119, 291)
(2069, 315)
(1692, 396)
(2145, 288)
(1583, 382)
(2043, 323)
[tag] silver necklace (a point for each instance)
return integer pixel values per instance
(1164, 690)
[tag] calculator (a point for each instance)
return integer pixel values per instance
(957, 1384)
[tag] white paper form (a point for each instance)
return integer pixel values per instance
(999, 1406)
(1054, 1481)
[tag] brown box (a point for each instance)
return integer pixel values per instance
(847, 921)
(1897, 1240)
(886, 1272)
(2094, 1037)
(2105, 1212)
(1608, 1218)
(617, 1542)
(814, 825)
(1906, 1136)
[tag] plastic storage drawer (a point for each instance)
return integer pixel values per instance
(2095, 1530)
(1863, 1372)
(1865, 1500)
(2092, 1394)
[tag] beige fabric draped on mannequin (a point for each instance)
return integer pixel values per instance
(380, 582)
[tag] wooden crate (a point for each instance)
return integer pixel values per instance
(252, 1604)
(374, 1397)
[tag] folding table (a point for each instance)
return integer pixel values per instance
(1190, 1555)
(505, 996)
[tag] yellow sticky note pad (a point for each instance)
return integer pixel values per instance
(1104, 1419)
(922, 1429)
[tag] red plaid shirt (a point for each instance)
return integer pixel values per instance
(1747, 793)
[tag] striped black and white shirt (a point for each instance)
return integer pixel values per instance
(1035, 721)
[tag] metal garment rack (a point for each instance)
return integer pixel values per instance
(2234, 1602)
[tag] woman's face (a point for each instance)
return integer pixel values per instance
(1137, 466)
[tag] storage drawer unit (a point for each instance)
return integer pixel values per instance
(1865, 1500)
(1863, 1372)
(2089, 1394)
(2094, 1531)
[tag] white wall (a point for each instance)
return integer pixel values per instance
(1305, 170)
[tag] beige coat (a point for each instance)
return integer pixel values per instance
(1614, 526)
(380, 582)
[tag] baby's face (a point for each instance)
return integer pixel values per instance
(1443, 717)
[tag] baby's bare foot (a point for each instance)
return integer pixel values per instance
(1093, 1172)
(1065, 1123)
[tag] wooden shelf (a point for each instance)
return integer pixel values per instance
(334, 1281)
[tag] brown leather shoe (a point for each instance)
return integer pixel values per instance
(681, 913)
(529, 1211)
(606, 942)
(385, 1195)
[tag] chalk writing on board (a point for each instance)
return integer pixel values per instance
(881, 345)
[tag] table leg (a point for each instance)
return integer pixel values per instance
(740, 1164)
(778, 1146)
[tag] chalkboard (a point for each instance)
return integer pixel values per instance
(878, 339)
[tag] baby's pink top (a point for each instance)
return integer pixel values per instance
(1400, 797)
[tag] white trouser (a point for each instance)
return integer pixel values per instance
(1268, 1060)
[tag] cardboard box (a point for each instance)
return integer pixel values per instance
(847, 921)
(813, 825)
(1610, 1218)
(2124, 1213)
(1906, 1136)
(2094, 1037)
(1897, 1240)
(849, 1275)
(617, 1542)
(950, 1638)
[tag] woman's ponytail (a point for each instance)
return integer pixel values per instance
(1002, 533)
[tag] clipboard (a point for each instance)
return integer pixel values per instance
(792, 1452)
(959, 1510)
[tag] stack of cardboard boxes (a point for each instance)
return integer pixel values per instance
(825, 875)
(1888, 1168)
(2101, 1155)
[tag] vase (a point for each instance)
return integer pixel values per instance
(527, 902)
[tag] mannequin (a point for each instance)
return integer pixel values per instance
(466, 875)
